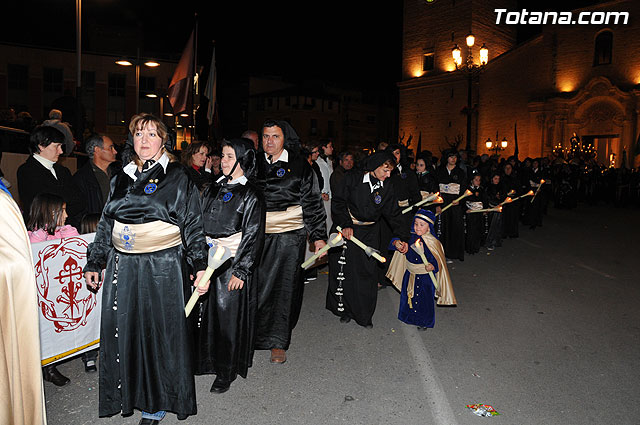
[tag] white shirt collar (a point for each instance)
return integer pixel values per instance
(284, 156)
(46, 163)
(367, 179)
(240, 180)
(130, 168)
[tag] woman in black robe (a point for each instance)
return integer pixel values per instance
(427, 181)
(474, 236)
(533, 206)
(450, 226)
(495, 196)
(151, 239)
(511, 186)
(360, 202)
(234, 217)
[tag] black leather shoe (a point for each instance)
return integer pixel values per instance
(220, 385)
(147, 421)
(53, 375)
(345, 319)
(90, 366)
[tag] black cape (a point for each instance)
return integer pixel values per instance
(361, 273)
(225, 323)
(145, 350)
(279, 274)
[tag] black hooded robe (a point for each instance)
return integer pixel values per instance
(451, 222)
(225, 328)
(145, 350)
(280, 277)
(474, 236)
(361, 273)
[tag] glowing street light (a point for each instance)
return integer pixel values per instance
(148, 63)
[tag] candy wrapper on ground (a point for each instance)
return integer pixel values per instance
(483, 409)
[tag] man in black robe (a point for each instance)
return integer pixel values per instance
(360, 202)
(452, 181)
(294, 208)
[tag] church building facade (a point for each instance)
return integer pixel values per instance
(570, 78)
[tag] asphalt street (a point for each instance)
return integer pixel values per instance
(547, 331)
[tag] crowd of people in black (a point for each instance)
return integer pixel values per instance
(271, 201)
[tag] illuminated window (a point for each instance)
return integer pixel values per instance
(427, 62)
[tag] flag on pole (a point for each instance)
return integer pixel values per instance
(515, 138)
(210, 90)
(182, 80)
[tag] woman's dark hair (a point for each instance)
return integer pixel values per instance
(43, 136)
(186, 158)
(45, 212)
(89, 223)
(245, 154)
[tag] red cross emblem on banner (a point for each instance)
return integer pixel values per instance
(62, 296)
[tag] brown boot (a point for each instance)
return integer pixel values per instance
(278, 355)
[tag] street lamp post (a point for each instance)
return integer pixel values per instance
(497, 146)
(147, 63)
(473, 70)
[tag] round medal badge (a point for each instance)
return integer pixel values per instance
(150, 188)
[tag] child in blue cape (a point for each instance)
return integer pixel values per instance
(421, 283)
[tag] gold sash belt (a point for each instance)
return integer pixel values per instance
(284, 221)
(360, 223)
(232, 242)
(399, 264)
(145, 237)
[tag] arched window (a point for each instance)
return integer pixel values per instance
(603, 48)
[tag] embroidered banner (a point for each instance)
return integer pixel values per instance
(69, 312)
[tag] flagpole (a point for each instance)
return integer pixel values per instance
(195, 70)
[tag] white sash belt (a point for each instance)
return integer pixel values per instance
(450, 188)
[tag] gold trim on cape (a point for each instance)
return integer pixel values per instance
(284, 221)
(445, 288)
(146, 237)
(444, 292)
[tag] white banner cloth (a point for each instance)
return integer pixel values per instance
(69, 312)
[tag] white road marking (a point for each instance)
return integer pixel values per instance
(436, 397)
(530, 243)
(592, 270)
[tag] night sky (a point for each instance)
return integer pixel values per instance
(352, 42)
